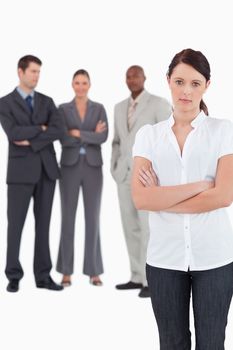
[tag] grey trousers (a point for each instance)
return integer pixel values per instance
(19, 196)
(90, 179)
(136, 229)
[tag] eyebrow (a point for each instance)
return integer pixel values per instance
(200, 81)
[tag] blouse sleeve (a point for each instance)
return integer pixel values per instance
(226, 139)
(142, 145)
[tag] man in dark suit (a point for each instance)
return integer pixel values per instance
(32, 123)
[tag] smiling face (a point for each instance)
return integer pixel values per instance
(81, 85)
(29, 77)
(187, 87)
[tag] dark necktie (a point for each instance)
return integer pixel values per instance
(28, 100)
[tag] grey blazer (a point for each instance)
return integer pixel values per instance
(151, 109)
(25, 162)
(89, 139)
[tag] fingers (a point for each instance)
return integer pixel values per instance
(153, 175)
(143, 181)
(44, 127)
(22, 143)
(147, 173)
(101, 126)
(148, 177)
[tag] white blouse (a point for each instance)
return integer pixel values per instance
(187, 241)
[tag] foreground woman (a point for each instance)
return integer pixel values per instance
(183, 175)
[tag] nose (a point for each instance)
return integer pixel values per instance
(187, 90)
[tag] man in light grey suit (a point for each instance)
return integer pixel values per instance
(130, 115)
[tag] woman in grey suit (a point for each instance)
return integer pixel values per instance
(81, 166)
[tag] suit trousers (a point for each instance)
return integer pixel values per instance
(90, 178)
(19, 196)
(136, 230)
(211, 295)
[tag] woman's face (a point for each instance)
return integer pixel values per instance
(187, 87)
(81, 85)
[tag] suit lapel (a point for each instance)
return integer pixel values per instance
(35, 107)
(22, 104)
(75, 118)
(20, 101)
(88, 116)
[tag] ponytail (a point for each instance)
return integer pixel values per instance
(203, 107)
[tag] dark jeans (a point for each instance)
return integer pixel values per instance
(211, 294)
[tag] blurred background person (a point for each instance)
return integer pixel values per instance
(137, 110)
(81, 167)
(31, 122)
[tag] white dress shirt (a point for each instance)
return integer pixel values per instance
(187, 241)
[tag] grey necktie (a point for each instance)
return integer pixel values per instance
(131, 111)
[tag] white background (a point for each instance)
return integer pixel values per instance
(105, 37)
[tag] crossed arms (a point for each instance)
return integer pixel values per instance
(197, 197)
(35, 136)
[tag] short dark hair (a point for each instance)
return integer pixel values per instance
(24, 61)
(138, 68)
(81, 72)
(195, 59)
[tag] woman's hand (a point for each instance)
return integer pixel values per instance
(148, 177)
(100, 126)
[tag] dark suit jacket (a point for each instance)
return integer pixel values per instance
(25, 162)
(89, 139)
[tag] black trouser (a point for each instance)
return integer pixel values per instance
(211, 294)
(19, 196)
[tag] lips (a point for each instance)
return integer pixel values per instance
(184, 100)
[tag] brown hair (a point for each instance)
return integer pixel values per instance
(198, 61)
(81, 72)
(24, 61)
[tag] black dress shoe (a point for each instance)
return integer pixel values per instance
(13, 286)
(129, 285)
(48, 283)
(144, 293)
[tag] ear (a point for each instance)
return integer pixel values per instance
(168, 80)
(20, 72)
(207, 85)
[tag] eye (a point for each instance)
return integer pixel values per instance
(195, 83)
(179, 82)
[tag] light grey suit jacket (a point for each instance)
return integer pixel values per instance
(89, 139)
(151, 109)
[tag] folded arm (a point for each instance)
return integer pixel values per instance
(16, 132)
(93, 137)
(55, 129)
(218, 197)
(156, 198)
